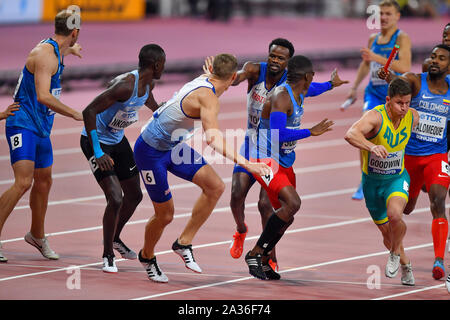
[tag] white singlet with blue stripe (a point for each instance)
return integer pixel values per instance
(169, 125)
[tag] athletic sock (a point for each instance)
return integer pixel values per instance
(439, 230)
(271, 233)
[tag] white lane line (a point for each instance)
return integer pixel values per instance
(410, 292)
(188, 214)
(226, 242)
(331, 166)
(283, 271)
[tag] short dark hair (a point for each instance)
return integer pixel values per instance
(297, 67)
(442, 46)
(62, 23)
(399, 87)
(390, 3)
(224, 65)
(149, 55)
(283, 43)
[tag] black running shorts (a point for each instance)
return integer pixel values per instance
(122, 155)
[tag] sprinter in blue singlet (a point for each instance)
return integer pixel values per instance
(28, 131)
(108, 151)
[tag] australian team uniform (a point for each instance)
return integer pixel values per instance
(161, 148)
(426, 154)
(110, 130)
(28, 132)
(383, 178)
(279, 157)
(376, 91)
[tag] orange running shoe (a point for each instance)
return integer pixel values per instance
(237, 245)
(273, 264)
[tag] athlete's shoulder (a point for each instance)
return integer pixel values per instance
(122, 86)
(372, 39)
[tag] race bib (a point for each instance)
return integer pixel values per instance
(267, 178)
(123, 119)
(431, 127)
(374, 67)
(389, 166)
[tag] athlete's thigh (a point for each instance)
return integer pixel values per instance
(22, 144)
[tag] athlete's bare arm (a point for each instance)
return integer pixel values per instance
(363, 71)
(203, 103)
(151, 102)
(120, 89)
(250, 71)
(368, 125)
(43, 63)
(403, 64)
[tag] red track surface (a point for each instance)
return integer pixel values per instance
(325, 254)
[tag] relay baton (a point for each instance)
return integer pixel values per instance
(391, 57)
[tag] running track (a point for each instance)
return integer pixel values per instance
(326, 253)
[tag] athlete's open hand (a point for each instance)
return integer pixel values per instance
(9, 110)
(75, 50)
(380, 151)
(336, 80)
(208, 66)
(105, 163)
(322, 127)
(367, 54)
(258, 168)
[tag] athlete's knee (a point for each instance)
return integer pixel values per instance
(437, 205)
(394, 216)
(215, 188)
(23, 184)
(265, 207)
(293, 205)
(135, 197)
(43, 184)
(114, 200)
(164, 218)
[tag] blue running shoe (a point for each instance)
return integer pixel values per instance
(438, 269)
(358, 195)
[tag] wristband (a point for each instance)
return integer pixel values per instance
(98, 152)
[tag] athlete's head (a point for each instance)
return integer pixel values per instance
(300, 69)
(280, 51)
(399, 97)
(67, 24)
(225, 68)
(446, 35)
(389, 14)
(440, 61)
(153, 57)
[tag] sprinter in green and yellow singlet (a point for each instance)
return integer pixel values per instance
(382, 135)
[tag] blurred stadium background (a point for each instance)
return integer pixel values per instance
(330, 32)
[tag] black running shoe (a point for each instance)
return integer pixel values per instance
(269, 272)
(254, 264)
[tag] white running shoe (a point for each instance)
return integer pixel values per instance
(124, 251)
(154, 273)
(407, 275)
(185, 252)
(2, 257)
(109, 264)
(392, 265)
(42, 245)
